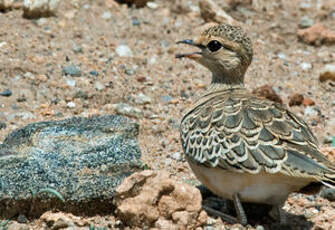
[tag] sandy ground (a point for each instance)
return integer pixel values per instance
(87, 34)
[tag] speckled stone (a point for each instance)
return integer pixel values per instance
(84, 159)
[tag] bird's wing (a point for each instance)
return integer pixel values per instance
(250, 134)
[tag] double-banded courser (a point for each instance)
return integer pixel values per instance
(240, 146)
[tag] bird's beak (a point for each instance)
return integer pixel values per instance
(193, 55)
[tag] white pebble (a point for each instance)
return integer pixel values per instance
(71, 82)
(152, 5)
(106, 15)
(310, 111)
(124, 51)
(99, 86)
(306, 66)
(71, 104)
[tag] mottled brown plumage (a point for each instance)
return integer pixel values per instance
(241, 146)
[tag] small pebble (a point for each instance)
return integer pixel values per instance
(94, 73)
(142, 99)
(72, 70)
(135, 21)
(328, 193)
(177, 156)
(128, 110)
(259, 227)
(29, 75)
(77, 48)
(3, 125)
(107, 15)
(327, 73)
(71, 104)
(328, 140)
(310, 111)
(305, 22)
(152, 5)
(306, 66)
(281, 56)
(124, 51)
(22, 219)
(2, 44)
(6, 93)
(99, 86)
(129, 71)
(168, 162)
(71, 82)
(166, 98)
(153, 59)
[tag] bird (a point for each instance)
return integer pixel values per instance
(241, 146)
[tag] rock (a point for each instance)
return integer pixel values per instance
(137, 3)
(296, 99)
(72, 70)
(136, 21)
(152, 199)
(16, 226)
(328, 73)
(71, 104)
(128, 110)
(94, 73)
(129, 71)
(71, 82)
(211, 12)
(2, 125)
(6, 4)
(76, 48)
(61, 220)
(308, 102)
(107, 15)
(317, 35)
(305, 22)
(310, 111)
(99, 86)
(39, 8)
(177, 156)
(267, 92)
(21, 115)
(328, 193)
(166, 98)
(124, 51)
(22, 219)
(6, 93)
(152, 5)
(83, 159)
(142, 99)
(10, 4)
(306, 66)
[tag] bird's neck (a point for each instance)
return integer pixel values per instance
(223, 82)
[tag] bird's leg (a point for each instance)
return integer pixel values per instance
(282, 215)
(228, 218)
(241, 216)
(278, 212)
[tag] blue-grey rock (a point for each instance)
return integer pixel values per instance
(72, 70)
(328, 193)
(94, 73)
(6, 93)
(84, 159)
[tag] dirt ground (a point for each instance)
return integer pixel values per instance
(86, 34)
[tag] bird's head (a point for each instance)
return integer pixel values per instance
(225, 50)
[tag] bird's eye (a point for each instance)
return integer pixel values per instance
(214, 45)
